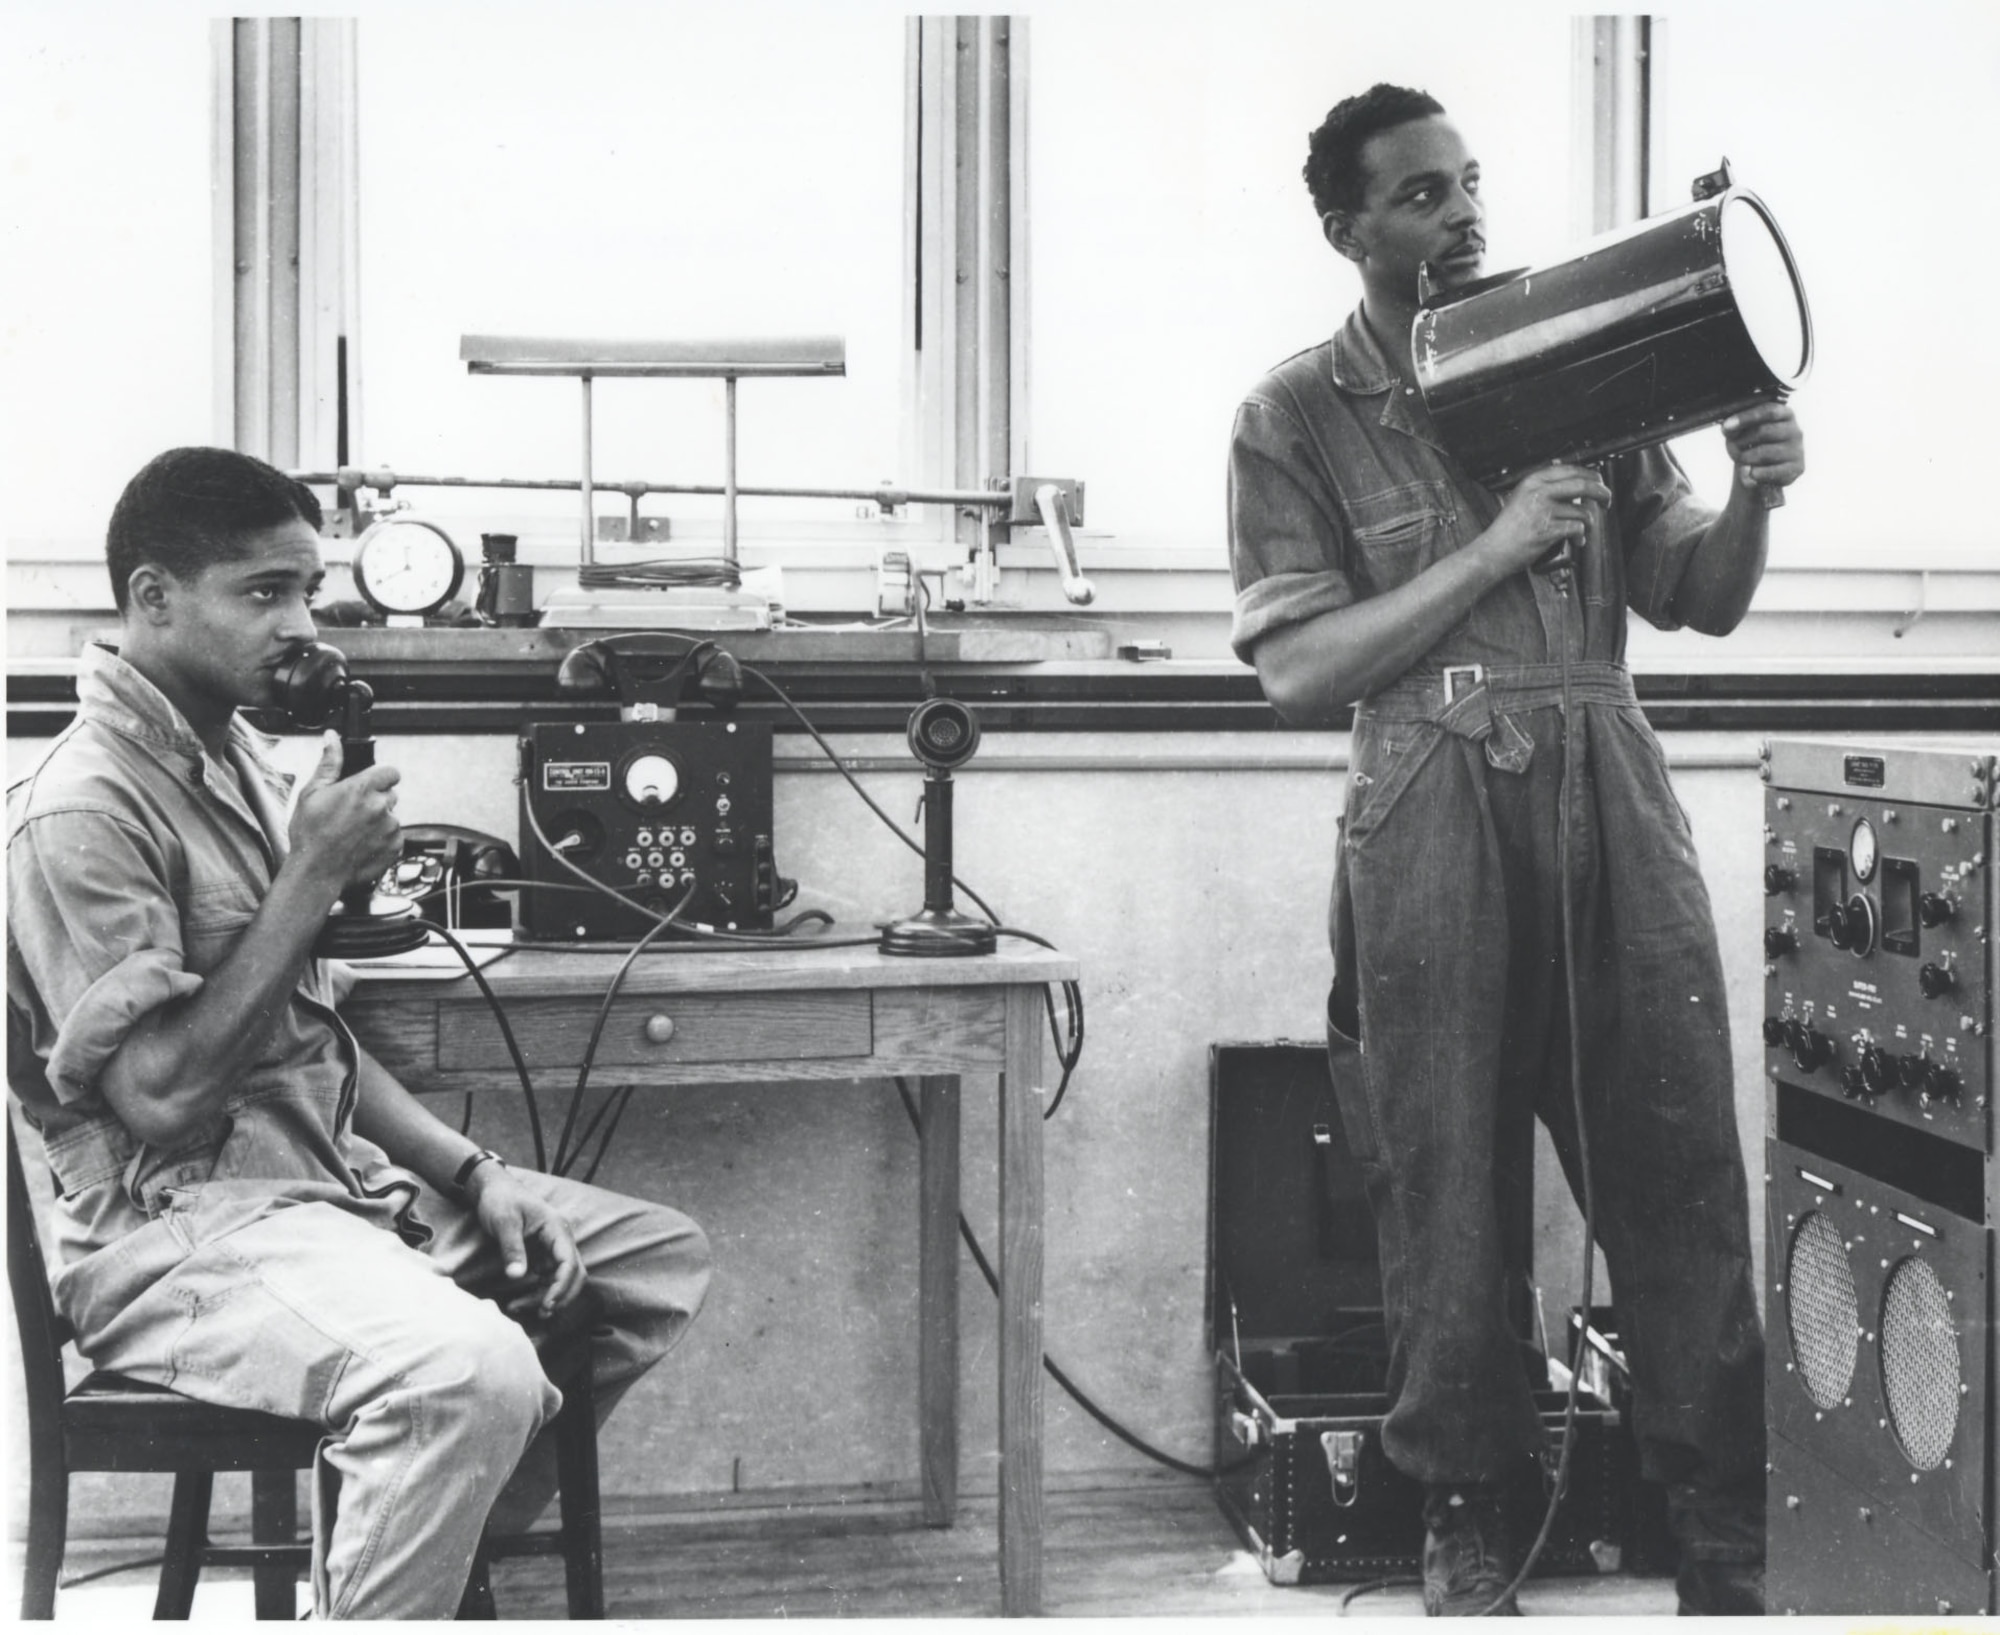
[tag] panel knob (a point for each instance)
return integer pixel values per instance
(1934, 980)
(1934, 909)
(659, 1028)
(1941, 1083)
(1851, 925)
(1779, 939)
(1810, 1048)
(1778, 878)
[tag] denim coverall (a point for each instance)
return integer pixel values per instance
(277, 1260)
(1448, 1013)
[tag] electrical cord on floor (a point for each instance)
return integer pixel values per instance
(1049, 1366)
(1397, 1581)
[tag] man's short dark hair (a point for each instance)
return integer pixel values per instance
(190, 508)
(1334, 171)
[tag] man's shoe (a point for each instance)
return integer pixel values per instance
(1720, 1589)
(1468, 1560)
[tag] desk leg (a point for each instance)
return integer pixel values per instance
(1021, 1103)
(937, 1298)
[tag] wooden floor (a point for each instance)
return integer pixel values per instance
(1150, 1548)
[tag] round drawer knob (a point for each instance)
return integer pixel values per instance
(659, 1029)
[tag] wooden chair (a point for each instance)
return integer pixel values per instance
(108, 1423)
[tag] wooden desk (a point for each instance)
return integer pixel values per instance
(806, 1013)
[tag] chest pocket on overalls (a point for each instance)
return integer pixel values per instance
(1398, 532)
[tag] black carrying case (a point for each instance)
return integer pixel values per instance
(1301, 1357)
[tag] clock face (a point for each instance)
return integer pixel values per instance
(406, 566)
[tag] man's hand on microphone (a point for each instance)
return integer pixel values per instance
(344, 829)
(1545, 510)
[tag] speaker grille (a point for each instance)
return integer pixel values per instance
(1920, 1363)
(1821, 1309)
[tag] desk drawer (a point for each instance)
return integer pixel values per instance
(645, 1030)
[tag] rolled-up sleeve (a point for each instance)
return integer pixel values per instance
(1286, 543)
(1661, 523)
(98, 936)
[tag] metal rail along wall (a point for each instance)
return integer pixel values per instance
(1882, 1186)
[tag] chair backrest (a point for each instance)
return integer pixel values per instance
(43, 1331)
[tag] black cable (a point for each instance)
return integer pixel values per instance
(1068, 1052)
(1394, 1582)
(507, 1033)
(1561, 578)
(1076, 1393)
(564, 1157)
(623, 1100)
(854, 783)
(694, 929)
(1073, 992)
(1067, 1055)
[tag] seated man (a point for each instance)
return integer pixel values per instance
(251, 1210)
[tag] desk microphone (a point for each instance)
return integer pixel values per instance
(943, 733)
(315, 688)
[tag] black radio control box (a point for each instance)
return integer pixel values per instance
(651, 810)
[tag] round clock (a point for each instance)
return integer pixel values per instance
(406, 566)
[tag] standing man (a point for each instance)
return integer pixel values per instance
(250, 1209)
(1371, 570)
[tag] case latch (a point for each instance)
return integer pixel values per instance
(1343, 1464)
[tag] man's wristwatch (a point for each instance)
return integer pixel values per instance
(463, 1175)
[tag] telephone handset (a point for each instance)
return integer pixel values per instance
(444, 869)
(316, 689)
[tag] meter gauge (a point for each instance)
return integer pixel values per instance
(651, 780)
(1862, 850)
